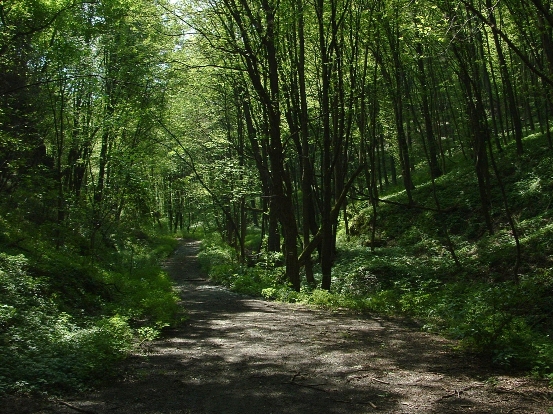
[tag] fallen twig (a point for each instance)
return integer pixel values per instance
(81, 410)
(312, 386)
(297, 374)
(356, 402)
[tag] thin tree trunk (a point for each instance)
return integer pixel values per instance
(507, 85)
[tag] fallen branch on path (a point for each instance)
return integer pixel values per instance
(313, 386)
(367, 376)
(81, 410)
(382, 382)
(357, 402)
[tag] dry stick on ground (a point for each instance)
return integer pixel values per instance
(357, 402)
(312, 386)
(81, 410)
(367, 376)
(382, 382)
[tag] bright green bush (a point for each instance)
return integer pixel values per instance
(43, 348)
(144, 293)
(215, 254)
(65, 322)
(282, 293)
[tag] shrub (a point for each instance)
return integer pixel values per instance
(63, 324)
(43, 348)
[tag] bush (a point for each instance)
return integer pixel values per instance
(219, 261)
(43, 348)
(63, 323)
(214, 254)
(146, 293)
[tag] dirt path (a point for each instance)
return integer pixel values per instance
(241, 355)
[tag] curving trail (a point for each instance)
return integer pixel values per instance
(241, 355)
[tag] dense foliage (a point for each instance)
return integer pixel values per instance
(388, 155)
(80, 276)
(65, 319)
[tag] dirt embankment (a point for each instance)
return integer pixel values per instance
(241, 355)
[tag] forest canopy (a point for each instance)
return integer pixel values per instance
(387, 155)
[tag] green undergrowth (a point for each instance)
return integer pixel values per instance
(477, 300)
(67, 318)
(219, 261)
(508, 321)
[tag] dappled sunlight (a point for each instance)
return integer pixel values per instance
(236, 354)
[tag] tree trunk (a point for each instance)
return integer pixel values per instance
(507, 85)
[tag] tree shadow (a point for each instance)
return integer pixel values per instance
(242, 355)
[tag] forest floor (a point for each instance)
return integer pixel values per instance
(237, 354)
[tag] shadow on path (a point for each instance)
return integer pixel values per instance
(241, 355)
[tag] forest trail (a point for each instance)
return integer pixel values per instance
(236, 354)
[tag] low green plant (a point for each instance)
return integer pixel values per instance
(215, 254)
(325, 299)
(147, 333)
(145, 293)
(64, 321)
(43, 348)
(282, 294)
